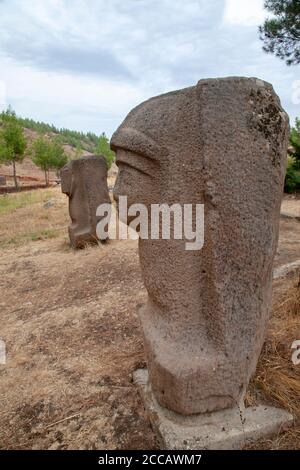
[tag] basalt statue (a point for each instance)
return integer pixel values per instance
(223, 144)
(84, 180)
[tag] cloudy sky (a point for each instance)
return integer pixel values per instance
(84, 64)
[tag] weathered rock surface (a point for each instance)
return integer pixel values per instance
(230, 429)
(223, 144)
(85, 182)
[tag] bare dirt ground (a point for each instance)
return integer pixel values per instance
(291, 205)
(69, 320)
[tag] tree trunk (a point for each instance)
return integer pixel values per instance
(15, 175)
(46, 176)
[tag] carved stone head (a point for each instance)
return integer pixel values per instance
(221, 143)
(85, 182)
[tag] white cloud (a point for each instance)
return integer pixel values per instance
(244, 12)
(84, 65)
(78, 102)
(3, 102)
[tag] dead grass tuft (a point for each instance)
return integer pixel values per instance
(277, 379)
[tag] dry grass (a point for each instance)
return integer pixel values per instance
(69, 320)
(24, 218)
(14, 201)
(69, 323)
(73, 341)
(277, 379)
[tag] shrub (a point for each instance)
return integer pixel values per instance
(292, 178)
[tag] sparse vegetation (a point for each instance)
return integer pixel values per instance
(48, 155)
(292, 180)
(104, 149)
(11, 202)
(43, 234)
(277, 380)
(45, 223)
(295, 141)
(12, 141)
(81, 141)
(26, 237)
(71, 355)
(86, 141)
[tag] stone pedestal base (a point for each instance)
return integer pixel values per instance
(226, 429)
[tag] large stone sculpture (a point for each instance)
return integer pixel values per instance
(221, 143)
(85, 182)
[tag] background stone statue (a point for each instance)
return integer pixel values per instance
(222, 143)
(84, 180)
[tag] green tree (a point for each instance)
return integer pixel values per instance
(292, 177)
(58, 155)
(281, 33)
(295, 141)
(103, 148)
(41, 156)
(48, 156)
(12, 141)
(78, 151)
